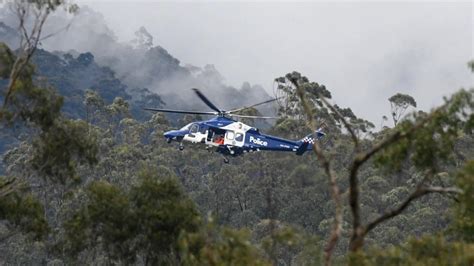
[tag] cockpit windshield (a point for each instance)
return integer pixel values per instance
(186, 127)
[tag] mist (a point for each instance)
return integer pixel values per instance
(363, 52)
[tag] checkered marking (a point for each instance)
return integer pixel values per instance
(309, 140)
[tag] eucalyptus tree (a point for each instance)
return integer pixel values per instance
(425, 140)
(399, 103)
(53, 147)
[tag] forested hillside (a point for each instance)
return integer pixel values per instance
(89, 179)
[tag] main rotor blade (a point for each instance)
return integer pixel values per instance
(181, 111)
(206, 100)
(254, 116)
(257, 104)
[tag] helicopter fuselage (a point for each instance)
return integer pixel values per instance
(234, 138)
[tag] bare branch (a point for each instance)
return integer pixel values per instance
(349, 128)
(8, 187)
(334, 188)
(360, 159)
(28, 44)
(419, 192)
(396, 136)
(65, 28)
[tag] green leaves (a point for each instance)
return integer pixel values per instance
(146, 220)
(59, 150)
(61, 144)
(214, 245)
(464, 209)
(7, 59)
(402, 100)
(428, 250)
(22, 210)
(162, 213)
(287, 89)
(399, 104)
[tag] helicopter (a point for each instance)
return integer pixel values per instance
(232, 138)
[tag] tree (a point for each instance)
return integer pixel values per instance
(31, 15)
(399, 104)
(424, 140)
(427, 250)
(22, 209)
(59, 144)
(464, 210)
(145, 221)
(214, 245)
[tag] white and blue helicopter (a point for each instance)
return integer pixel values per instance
(233, 138)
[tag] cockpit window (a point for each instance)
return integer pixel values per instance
(194, 128)
(230, 135)
(239, 137)
(186, 127)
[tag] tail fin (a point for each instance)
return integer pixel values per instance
(307, 142)
(310, 138)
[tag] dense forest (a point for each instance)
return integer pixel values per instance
(87, 178)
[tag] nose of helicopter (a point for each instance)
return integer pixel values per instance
(175, 134)
(168, 134)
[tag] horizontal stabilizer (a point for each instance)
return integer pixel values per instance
(302, 148)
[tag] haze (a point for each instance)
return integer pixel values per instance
(363, 52)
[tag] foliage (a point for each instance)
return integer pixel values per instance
(213, 245)
(22, 210)
(285, 244)
(464, 210)
(6, 60)
(428, 139)
(137, 200)
(428, 250)
(330, 119)
(146, 220)
(41, 108)
(106, 220)
(433, 135)
(291, 107)
(399, 104)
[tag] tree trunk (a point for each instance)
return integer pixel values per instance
(357, 239)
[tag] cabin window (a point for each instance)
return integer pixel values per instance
(194, 128)
(239, 137)
(230, 135)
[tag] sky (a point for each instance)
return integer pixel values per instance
(364, 52)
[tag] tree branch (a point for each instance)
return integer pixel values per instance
(419, 192)
(334, 188)
(28, 44)
(361, 158)
(349, 128)
(7, 188)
